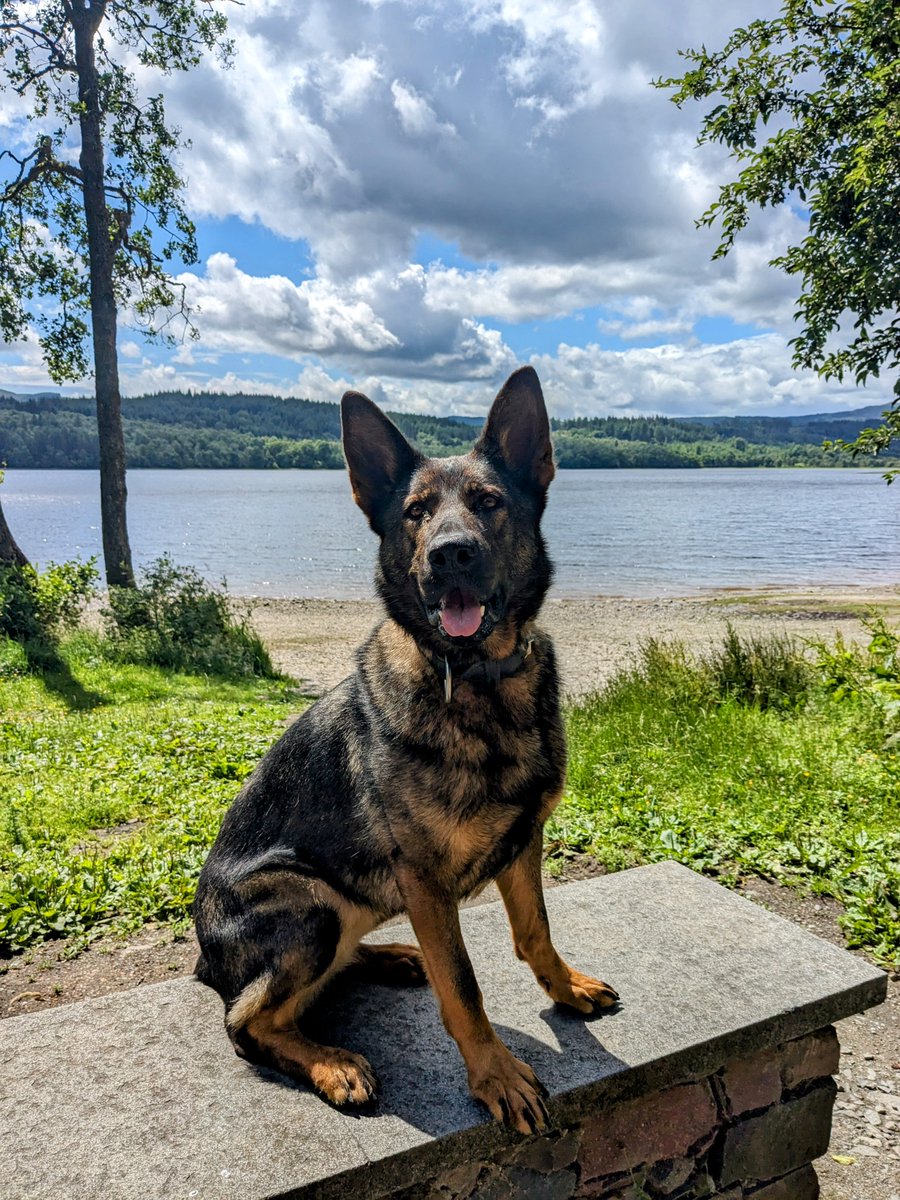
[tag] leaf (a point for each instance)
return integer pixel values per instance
(669, 839)
(846, 1160)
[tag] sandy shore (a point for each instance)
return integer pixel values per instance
(314, 640)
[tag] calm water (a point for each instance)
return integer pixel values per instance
(633, 533)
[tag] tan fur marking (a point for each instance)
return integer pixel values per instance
(521, 888)
(356, 922)
(518, 693)
(548, 806)
(400, 649)
(249, 1003)
(467, 843)
(502, 641)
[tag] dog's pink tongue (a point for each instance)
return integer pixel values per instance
(460, 614)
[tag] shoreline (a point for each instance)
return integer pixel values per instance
(314, 640)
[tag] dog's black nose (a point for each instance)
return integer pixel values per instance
(453, 553)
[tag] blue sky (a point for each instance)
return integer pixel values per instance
(414, 198)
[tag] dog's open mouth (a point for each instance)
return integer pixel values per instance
(461, 614)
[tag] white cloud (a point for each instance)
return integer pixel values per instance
(249, 312)
(330, 128)
(651, 327)
(384, 318)
(524, 131)
(417, 117)
(346, 83)
(742, 377)
(562, 57)
(22, 365)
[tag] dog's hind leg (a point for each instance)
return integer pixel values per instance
(292, 936)
(271, 1037)
(394, 964)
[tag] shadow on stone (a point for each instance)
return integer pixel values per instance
(422, 1079)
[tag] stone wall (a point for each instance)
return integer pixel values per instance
(676, 1093)
(751, 1129)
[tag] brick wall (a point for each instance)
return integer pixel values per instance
(751, 1130)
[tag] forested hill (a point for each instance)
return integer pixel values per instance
(175, 429)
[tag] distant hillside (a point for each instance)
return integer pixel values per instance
(177, 429)
(809, 427)
(5, 395)
(868, 415)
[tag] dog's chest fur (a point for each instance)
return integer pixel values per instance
(462, 782)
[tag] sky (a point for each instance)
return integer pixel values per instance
(414, 197)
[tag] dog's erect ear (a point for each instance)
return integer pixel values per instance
(379, 458)
(517, 431)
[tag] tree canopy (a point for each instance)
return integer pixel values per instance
(809, 107)
(91, 205)
(44, 251)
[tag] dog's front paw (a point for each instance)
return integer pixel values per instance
(343, 1077)
(510, 1090)
(581, 992)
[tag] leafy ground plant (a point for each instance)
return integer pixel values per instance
(175, 619)
(107, 811)
(677, 759)
(41, 604)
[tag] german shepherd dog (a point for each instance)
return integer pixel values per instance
(427, 773)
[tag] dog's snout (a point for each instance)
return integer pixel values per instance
(453, 554)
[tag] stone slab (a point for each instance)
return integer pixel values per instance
(138, 1096)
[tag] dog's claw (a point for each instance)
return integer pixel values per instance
(511, 1092)
(584, 994)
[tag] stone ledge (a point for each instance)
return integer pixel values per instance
(138, 1095)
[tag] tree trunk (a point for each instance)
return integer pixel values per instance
(10, 554)
(101, 253)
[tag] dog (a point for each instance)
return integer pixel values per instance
(426, 774)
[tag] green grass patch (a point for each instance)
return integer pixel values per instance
(753, 761)
(793, 776)
(113, 780)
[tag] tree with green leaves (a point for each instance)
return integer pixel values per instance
(808, 104)
(91, 209)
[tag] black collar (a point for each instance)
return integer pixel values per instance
(488, 671)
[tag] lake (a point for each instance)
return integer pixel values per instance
(627, 532)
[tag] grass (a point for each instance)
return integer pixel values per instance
(108, 806)
(113, 779)
(801, 787)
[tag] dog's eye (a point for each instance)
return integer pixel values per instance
(490, 500)
(416, 511)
